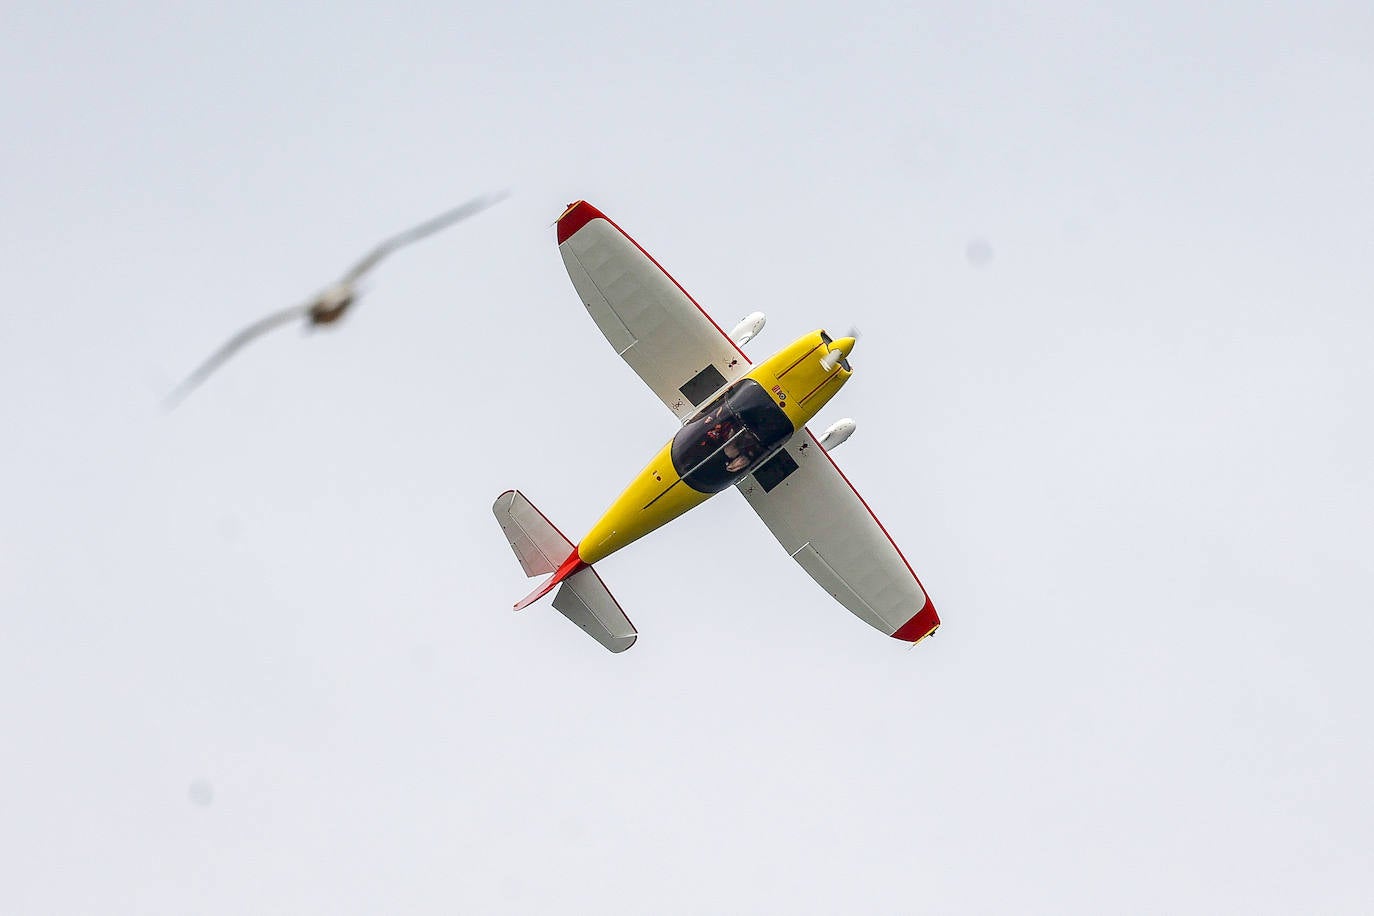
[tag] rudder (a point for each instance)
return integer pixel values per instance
(543, 551)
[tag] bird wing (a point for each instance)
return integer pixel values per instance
(233, 345)
(414, 234)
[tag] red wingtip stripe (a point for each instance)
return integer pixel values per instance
(578, 214)
(919, 627)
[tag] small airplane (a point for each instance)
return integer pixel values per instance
(743, 425)
(330, 304)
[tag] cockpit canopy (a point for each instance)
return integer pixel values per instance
(729, 437)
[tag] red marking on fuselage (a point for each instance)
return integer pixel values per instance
(828, 379)
(798, 362)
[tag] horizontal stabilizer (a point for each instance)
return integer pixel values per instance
(585, 600)
(538, 545)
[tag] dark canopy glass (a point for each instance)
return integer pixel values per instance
(729, 437)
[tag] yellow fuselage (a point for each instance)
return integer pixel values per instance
(798, 382)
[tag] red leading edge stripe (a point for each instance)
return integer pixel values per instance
(925, 619)
(580, 213)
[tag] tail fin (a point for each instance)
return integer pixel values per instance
(543, 550)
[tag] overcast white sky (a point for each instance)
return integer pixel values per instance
(257, 655)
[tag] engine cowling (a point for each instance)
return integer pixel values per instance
(837, 433)
(748, 328)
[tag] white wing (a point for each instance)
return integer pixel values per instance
(823, 524)
(668, 340)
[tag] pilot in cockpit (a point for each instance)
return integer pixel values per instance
(740, 450)
(719, 431)
(738, 459)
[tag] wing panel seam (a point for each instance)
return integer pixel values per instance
(845, 582)
(620, 319)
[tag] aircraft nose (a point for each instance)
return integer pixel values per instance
(844, 345)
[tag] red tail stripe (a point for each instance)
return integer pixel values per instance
(570, 567)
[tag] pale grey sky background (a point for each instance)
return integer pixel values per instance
(1113, 266)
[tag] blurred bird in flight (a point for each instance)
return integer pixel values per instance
(331, 304)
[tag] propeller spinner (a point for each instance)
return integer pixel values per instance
(837, 352)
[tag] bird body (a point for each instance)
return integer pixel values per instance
(330, 305)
